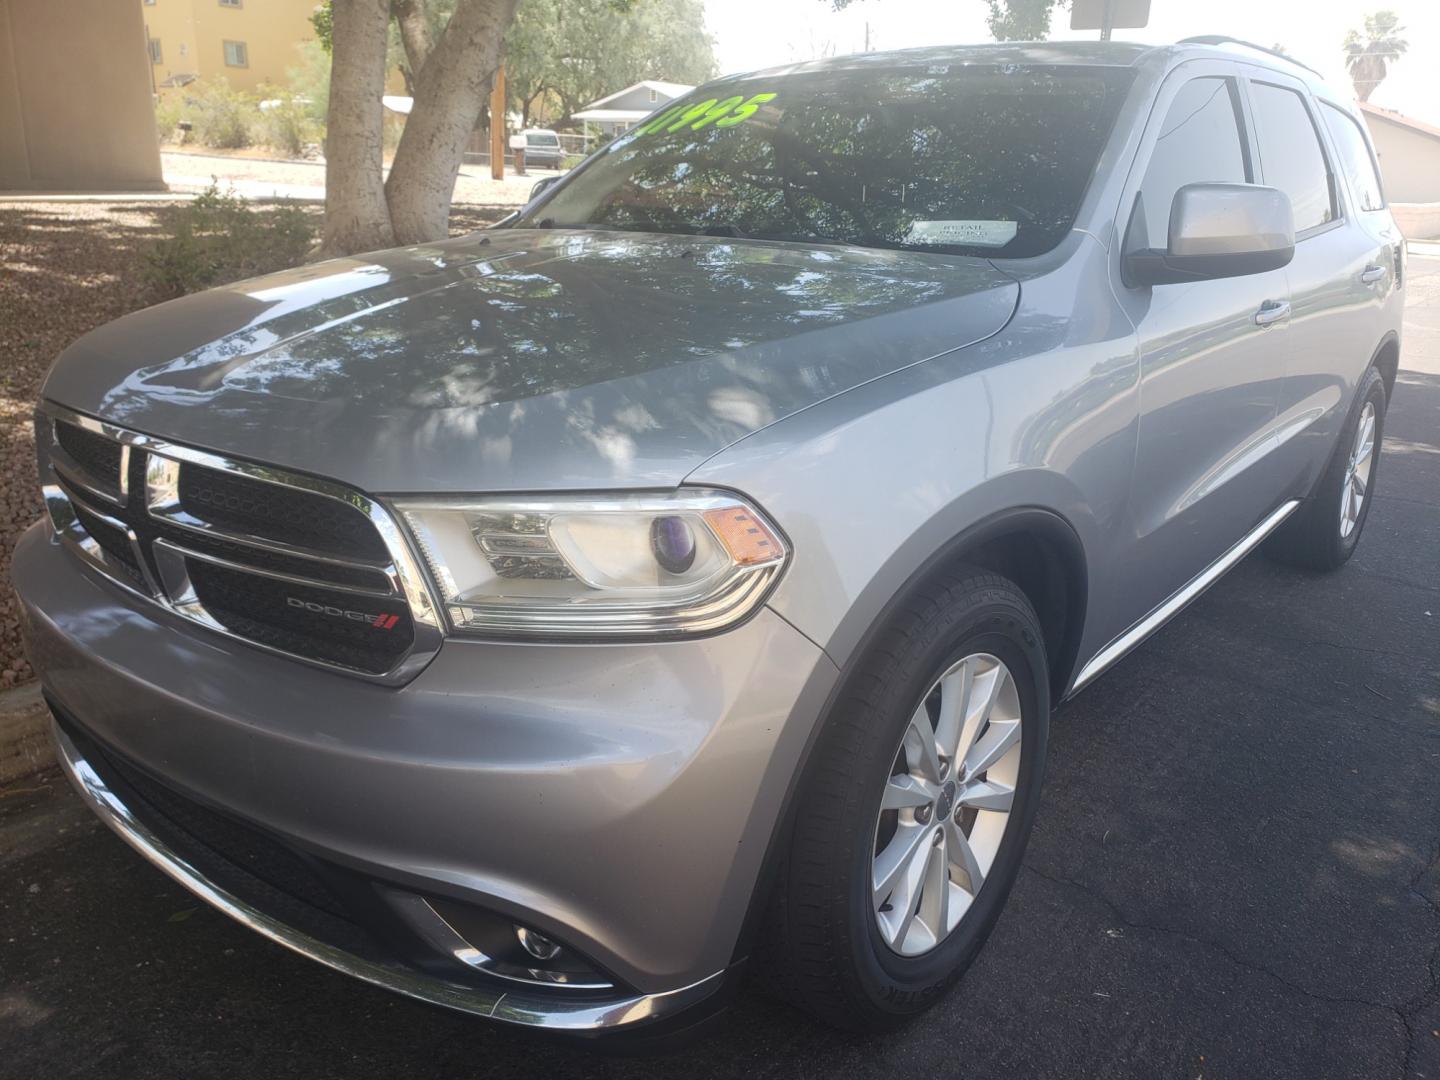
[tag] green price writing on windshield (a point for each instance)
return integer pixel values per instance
(722, 112)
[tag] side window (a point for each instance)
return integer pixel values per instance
(1199, 141)
(1355, 158)
(1290, 154)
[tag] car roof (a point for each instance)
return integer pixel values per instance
(1067, 53)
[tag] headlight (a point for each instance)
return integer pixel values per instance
(661, 564)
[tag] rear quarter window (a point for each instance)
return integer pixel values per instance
(1356, 161)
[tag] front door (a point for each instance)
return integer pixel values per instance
(1212, 352)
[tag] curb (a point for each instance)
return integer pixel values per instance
(24, 733)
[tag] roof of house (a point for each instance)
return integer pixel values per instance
(1401, 119)
(612, 116)
(667, 89)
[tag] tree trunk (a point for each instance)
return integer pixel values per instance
(450, 93)
(356, 214)
(414, 23)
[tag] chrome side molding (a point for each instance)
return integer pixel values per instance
(1178, 601)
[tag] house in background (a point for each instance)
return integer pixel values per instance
(75, 107)
(1409, 153)
(624, 109)
(246, 42)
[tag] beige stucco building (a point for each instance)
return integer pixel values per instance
(75, 107)
(249, 43)
(1409, 152)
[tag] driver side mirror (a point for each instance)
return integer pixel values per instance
(1218, 231)
(541, 186)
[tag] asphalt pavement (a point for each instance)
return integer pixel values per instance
(1235, 872)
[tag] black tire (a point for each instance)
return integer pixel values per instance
(1312, 537)
(823, 936)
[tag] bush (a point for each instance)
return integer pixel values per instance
(169, 111)
(286, 126)
(218, 238)
(222, 117)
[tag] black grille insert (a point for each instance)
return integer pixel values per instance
(114, 543)
(284, 514)
(97, 455)
(260, 869)
(366, 633)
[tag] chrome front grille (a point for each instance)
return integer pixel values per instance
(286, 562)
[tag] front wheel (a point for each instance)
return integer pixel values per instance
(1322, 534)
(909, 832)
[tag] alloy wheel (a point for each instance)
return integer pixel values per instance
(946, 804)
(1357, 471)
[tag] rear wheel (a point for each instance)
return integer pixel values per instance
(1322, 534)
(909, 832)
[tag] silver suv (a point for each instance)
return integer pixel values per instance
(543, 622)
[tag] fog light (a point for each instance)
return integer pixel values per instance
(537, 945)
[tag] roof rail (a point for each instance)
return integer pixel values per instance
(1225, 39)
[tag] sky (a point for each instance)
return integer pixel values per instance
(760, 33)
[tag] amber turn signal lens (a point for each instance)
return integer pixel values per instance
(748, 541)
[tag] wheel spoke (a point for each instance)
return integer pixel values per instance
(891, 865)
(920, 751)
(1358, 482)
(934, 908)
(962, 857)
(987, 795)
(984, 691)
(1367, 432)
(955, 693)
(897, 882)
(999, 738)
(907, 791)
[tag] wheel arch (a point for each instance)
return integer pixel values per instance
(1035, 547)
(1386, 360)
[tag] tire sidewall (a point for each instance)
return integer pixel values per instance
(902, 985)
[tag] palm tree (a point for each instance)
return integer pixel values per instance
(1367, 57)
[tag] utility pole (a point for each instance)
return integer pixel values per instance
(497, 125)
(1107, 20)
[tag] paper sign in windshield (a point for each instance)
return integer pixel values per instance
(965, 233)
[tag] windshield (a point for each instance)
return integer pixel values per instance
(542, 138)
(960, 159)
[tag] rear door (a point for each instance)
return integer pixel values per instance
(1344, 267)
(1211, 351)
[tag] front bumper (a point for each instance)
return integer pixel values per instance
(620, 799)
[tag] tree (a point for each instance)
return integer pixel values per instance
(452, 75)
(1009, 20)
(1368, 58)
(1020, 20)
(575, 51)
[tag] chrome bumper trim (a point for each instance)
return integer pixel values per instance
(531, 1010)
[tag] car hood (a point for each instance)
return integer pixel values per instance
(525, 359)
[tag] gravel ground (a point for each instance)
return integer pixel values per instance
(65, 268)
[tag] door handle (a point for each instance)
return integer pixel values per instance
(1372, 274)
(1272, 311)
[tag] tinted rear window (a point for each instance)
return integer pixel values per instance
(542, 140)
(964, 159)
